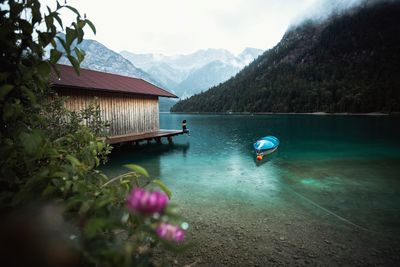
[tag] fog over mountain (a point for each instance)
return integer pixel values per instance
(348, 62)
(323, 10)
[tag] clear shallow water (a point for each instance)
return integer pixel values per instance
(346, 166)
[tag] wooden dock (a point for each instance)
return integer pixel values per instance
(148, 136)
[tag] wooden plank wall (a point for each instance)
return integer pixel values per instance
(126, 113)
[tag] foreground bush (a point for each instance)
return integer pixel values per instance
(57, 209)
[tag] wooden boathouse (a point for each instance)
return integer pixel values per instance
(129, 104)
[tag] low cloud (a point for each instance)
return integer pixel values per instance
(324, 9)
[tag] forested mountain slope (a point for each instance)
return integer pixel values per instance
(347, 63)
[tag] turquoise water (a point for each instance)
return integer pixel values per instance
(345, 169)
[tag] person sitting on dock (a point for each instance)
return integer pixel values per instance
(184, 129)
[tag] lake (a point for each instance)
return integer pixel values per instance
(334, 181)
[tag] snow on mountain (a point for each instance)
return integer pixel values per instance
(189, 74)
(184, 75)
(168, 75)
(249, 54)
(205, 77)
(143, 61)
(183, 62)
(98, 57)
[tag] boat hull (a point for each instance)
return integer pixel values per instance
(266, 152)
(266, 145)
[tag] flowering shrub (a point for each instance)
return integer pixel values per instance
(170, 232)
(154, 203)
(49, 162)
(146, 202)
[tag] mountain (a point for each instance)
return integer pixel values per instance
(168, 75)
(158, 65)
(181, 73)
(346, 63)
(182, 62)
(206, 77)
(98, 57)
(200, 58)
(144, 61)
(249, 54)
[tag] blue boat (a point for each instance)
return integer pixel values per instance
(265, 146)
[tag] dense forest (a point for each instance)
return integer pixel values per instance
(347, 63)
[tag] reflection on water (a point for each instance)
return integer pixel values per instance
(349, 165)
(147, 156)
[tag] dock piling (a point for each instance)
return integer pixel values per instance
(170, 140)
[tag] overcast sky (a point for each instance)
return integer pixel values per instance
(184, 26)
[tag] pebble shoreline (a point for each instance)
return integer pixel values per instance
(234, 235)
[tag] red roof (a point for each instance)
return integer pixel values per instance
(102, 81)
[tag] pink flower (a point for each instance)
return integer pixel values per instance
(146, 202)
(170, 232)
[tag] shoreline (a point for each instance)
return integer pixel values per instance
(242, 235)
(289, 113)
